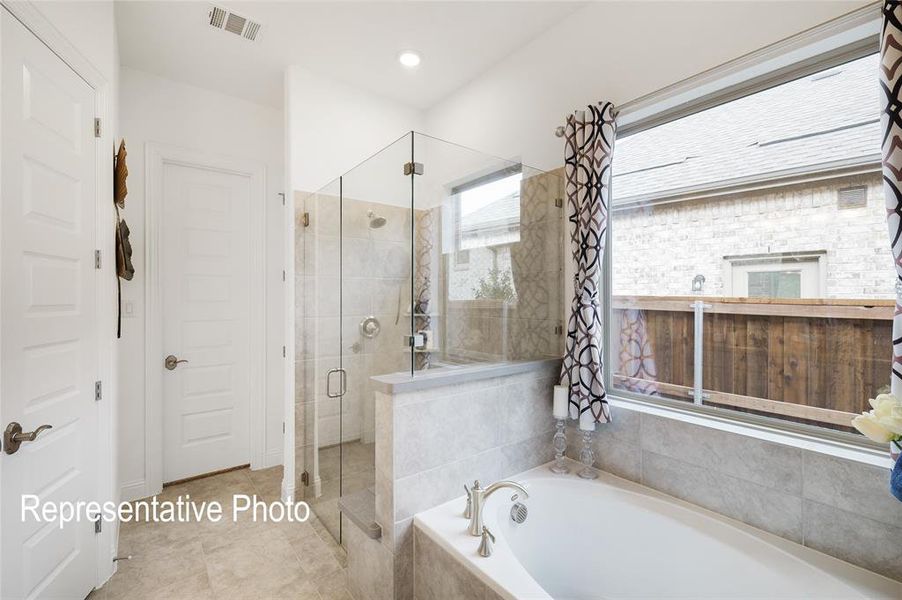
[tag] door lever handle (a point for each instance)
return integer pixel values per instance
(14, 436)
(172, 361)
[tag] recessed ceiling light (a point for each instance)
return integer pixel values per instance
(409, 59)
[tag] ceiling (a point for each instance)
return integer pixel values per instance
(354, 42)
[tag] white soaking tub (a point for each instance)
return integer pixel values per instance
(611, 538)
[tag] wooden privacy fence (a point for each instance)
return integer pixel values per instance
(807, 360)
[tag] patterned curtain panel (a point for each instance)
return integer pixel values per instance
(589, 145)
(637, 359)
(891, 122)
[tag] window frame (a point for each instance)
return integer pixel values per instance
(836, 42)
(813, 264)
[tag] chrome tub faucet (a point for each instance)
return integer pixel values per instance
(476, 498)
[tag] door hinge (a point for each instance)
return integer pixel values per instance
(97, 259)
(305, 478)
(559, 329)
(559, 202)
(98, 524)
(97, 128)
(305, 219)
(283, 197)
(283, 275)
(98, 391)
(284, 352)
(413, 168)
(283, 427)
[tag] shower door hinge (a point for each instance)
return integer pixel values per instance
(413, 168)
(98, 391)
(559, 202)
(98, 524)
(97, 259)
(97, 128)
(305, 478)
(559, 329)
(283, 352)
(283, 197)
(305, 219)
(283, 427)
(283, 274)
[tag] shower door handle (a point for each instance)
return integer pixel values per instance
(343, 383)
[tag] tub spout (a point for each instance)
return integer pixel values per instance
(478, 496)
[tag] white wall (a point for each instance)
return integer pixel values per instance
(91, 28)
(333, 127)
(615, 51)
(154, 109)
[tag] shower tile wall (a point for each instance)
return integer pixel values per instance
(368, 270)
(373, 277)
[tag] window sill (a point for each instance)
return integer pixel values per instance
(865, 452)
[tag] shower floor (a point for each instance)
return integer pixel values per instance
(358, 473)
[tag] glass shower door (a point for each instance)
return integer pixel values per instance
(374, 303)
(354, 320)
(318, 352)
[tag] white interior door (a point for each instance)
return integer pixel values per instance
(48, 315)
(205, 274)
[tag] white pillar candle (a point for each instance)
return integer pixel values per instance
(587, 421)
(561, 399)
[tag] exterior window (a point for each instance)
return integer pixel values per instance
(750, 266)
(791, 275)
(486, 226)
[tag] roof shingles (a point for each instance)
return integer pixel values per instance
(823, 118)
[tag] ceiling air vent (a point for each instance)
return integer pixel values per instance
(225, 20)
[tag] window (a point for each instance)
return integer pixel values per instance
(741, 280)
(789, 275)
(486, 217)
(462, 259)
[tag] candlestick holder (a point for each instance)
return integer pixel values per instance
(587, 457)
(560, 445)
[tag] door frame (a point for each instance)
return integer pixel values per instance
(106, 448)
(157, 156)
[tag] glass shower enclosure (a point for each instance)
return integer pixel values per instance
(427, 255)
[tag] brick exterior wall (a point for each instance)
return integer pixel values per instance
(657, 250)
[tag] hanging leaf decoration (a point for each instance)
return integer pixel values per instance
(120, 174)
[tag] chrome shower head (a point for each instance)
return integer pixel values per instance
(375, 220)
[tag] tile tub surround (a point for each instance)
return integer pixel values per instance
(437, 574)
(430, 442)
(837, 506)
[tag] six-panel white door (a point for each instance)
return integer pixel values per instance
(48, 315)
(205, 274)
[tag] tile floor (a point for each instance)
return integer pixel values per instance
(244, 560)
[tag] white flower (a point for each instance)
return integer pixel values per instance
(888, 412)
(868, 424)
(884, 402)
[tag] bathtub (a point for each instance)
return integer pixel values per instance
(611, 538)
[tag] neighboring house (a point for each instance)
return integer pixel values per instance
(758, 203)
(485, 239)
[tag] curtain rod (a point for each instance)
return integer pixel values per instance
(559, 130)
